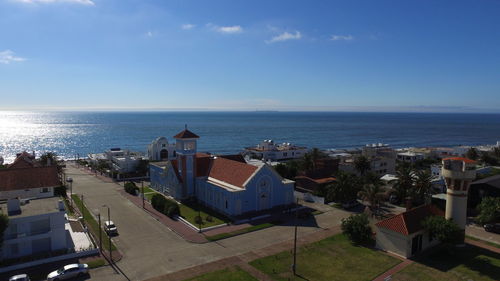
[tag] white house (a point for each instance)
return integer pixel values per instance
(269, 150)
(403, 234)
(35, 227)
(161, 150)
(121, 160)
(410, 157)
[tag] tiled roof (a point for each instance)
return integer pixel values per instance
(24, 160)
(411, 221)
(231, 172)
(186, 134)
(466, 160)
(24, 178)
(234, 157)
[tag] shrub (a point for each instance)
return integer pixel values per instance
(60, 191)
(446, 231)
(198, 220)
(131, 188)
(357, 228)
(173, 209)
(209, 218)
(489, 210)
(165, 206)
(158, 202)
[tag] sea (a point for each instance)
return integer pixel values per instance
(71, 134)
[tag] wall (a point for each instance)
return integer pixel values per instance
(393, 242)
(165, 181)
(27, 193)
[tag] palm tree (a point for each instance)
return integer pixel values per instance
(307, 162)
(344, 189)
(372, 193)
(362, 164)
(423, 185)
(48, 158)
(404, 184)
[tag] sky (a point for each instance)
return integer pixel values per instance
(366, 55)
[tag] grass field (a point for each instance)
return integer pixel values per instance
(147, 189)
(334, 258)
(190, 211)
(92, 223)
(469, 263)
(228, 274)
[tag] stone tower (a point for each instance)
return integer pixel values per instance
(458, 173)
(185, 148)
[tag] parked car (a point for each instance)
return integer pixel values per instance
(20, 277)
(110, 228)
(492, 227)
(68, 271)
(350, 204)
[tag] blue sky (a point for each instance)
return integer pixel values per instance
(244, 55)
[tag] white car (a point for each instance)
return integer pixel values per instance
(110, 228)
(20, 277)
(68, 271)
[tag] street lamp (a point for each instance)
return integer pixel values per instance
(70, 181)
(109, 220)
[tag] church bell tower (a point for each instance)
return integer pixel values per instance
(185, 148)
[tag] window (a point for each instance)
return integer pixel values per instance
(226, 204)
(44, 190)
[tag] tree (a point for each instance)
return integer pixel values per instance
(362, 164)
(48, 158)
(372, 193)
(446, 231)
(316, 155)
(496, 152)
(357, 228)
(472, 153)
(4, 223)
(344, 189)
(489, 210)
(488, 159)
(307, 163)
(404, 184)
(423, 186)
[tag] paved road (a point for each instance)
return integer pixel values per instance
(479, 232)
(150, 249)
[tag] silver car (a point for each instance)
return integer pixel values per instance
(20, 277)
(68, 271)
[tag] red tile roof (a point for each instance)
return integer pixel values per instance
(411, 221)
(232, 172)
(24, 178)
(23, 160)
(466, 160)
(186, 134)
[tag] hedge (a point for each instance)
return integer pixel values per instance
(131, 188)
(166, 206)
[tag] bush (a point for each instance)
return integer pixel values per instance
(60, 191)
(357, 228)
(131, 188)
(209, 218)
(198, 220)
(446, 231)
(167, 207)
(489, 210)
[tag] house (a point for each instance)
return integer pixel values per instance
(225, 184)
(410, 157)
(161, 150)
(36, 227)
(382, 160)
(487, 187)
(403, 234)
(25, 178)
(269, 150)
(120, 160)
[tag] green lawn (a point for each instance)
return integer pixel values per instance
(333, 258)
(238, 232)
(469, 263)
(228, 274)
(147, 189)
(92, 223)
(189, 212)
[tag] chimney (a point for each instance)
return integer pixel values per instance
(60, 206)
(13, 206)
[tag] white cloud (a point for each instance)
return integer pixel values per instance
(285, 36)
(188, 26)
(8, 56)
(226, 29)
(83, 2)
(149, 34)
(341, 37)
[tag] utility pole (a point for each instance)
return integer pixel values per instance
(83, 213)
(142, 187)
(100, 232)
(294, 265)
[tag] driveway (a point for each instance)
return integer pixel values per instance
(150, 249)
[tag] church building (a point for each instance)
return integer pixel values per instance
(226, 184)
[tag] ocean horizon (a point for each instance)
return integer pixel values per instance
(69, 133)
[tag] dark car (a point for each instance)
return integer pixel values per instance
(492, 227)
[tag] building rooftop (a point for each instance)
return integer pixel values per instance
(34, 207)
(463, 159)
(186, 134)
(26, 178)
(410, 221)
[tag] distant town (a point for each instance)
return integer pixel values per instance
(275, 211)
